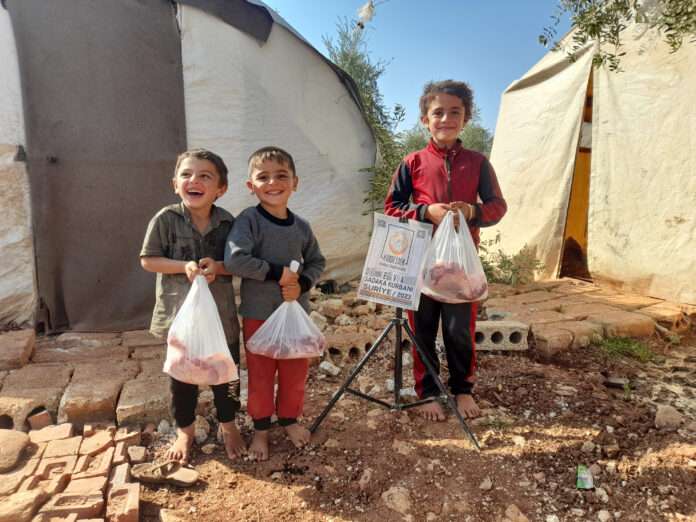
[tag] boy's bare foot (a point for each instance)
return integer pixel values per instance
(258, 449)
(181, 449)
(298, 434)
(431, 411)
(234, 443)
(467, 406)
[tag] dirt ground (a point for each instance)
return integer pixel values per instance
(541, 420)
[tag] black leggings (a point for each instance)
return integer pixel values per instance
(458, 326)
(185, 398)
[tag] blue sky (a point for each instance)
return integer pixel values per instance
(487, 43)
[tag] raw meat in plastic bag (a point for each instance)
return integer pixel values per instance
(288, 333)
(449, 283)
(452, 270)
(197, 351)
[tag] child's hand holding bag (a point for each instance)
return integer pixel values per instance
(288, 333)
(452, 271)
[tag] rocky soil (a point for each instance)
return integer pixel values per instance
(632, 424)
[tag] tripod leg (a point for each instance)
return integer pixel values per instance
(398, 361)
(354, 372)
(450, 399)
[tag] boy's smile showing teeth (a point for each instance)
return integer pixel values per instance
(197, 183)
(273, 183)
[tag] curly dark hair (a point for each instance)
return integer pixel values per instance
(459, 89)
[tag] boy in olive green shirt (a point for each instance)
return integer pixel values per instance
(182, 241)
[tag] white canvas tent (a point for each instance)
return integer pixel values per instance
(93, 92)
(17, 283)
(601, 166)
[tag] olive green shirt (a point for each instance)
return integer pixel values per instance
(172, 234)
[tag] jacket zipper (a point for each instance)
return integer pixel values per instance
(448, 168)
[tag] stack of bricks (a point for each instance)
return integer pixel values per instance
(84, 477)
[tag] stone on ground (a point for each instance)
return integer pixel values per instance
(550, 340)
(398, 499)
(38, 376)
(624, 324)
(667, 418)
(12, 443)
(16, 348)
(144, 400)
(53, 354)
(584, 332)
(19, 404)
(20, 507)
(669, 315)
(514, 514)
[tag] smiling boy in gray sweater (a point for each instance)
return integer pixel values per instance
(261, 245)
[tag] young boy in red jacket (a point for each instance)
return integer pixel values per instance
(428, 183)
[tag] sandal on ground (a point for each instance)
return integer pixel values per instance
(167, 472)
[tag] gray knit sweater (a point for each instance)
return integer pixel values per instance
(259, 246)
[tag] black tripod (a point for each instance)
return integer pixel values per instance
(397, 323)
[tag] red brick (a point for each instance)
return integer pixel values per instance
(124, 504)
(120, 454)
(87, 485)
(83, 505)
(49, 433)
(94, 465)
(9, 482)
(53, 485)
(40, 420)
(46, 518)
(96, 443)
(35, 451)
(49, 468)
(63, 447)
(128, 436)
(137, 454)
(119, 475)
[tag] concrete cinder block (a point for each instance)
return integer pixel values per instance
(501, 335)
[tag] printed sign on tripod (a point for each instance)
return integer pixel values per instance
(392, 271)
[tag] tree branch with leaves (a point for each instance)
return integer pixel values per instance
(603, 21)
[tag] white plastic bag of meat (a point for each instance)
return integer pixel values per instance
(197, 351)
(452, 272)
(288, 333)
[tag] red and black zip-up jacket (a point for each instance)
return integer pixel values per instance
(434, 175)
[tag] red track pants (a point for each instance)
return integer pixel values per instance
(292, 375)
